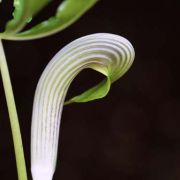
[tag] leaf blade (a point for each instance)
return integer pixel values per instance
(21, 16)
(24, 10)
(97, 92)
(67, 13)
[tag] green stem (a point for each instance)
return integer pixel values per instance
(18, 147)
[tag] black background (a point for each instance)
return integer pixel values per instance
(133, 133)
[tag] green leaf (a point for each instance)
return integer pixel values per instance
(21, 16)
(67, 13)
(24, 10)
(96, 92)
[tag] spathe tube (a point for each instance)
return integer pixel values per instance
(109, 54)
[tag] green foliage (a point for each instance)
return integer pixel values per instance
(96, 92)
(24, 10)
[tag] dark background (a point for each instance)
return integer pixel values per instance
(133, 133)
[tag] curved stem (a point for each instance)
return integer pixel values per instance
(18, 147)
